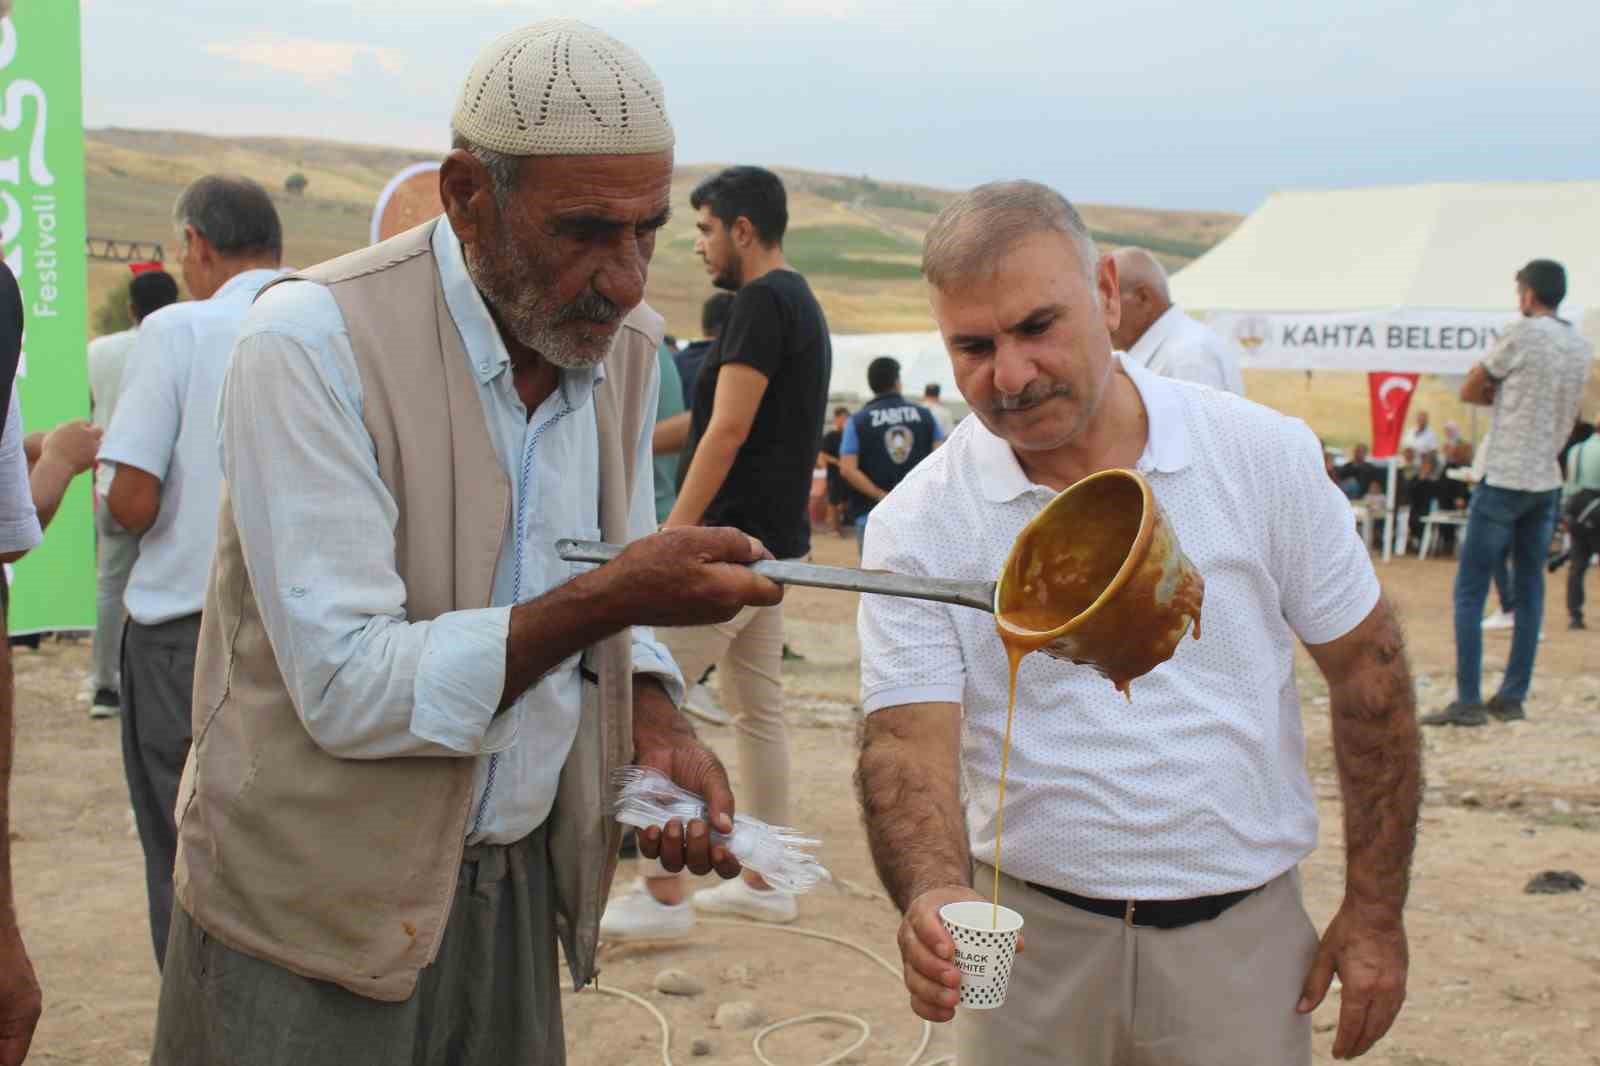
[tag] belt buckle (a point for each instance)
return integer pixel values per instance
(1127, 913)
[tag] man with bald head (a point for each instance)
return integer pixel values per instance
(1157, 334)
(406, 704)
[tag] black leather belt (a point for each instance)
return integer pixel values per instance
(1155, 913)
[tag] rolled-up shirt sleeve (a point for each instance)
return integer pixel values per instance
(317, 528)
(19, 522)
(650, 656)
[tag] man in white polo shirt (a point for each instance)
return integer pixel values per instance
(1158, 335)
(166, 490)
(1151, 846)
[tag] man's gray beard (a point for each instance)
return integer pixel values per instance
(534, 322)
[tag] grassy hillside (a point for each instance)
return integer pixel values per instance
(856, 239)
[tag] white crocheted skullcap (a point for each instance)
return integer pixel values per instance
(560, 87)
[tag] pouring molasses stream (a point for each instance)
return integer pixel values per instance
(1096, 578)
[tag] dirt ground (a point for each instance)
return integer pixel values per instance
(1499, 978)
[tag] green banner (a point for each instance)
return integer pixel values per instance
(42, 221)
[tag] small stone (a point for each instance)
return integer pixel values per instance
(701, 1047)
(1434, 797)
(1560, 806)
(737, 974)
(678, 983)
(739, 1014)
(1325, 1027)
(1471, 799)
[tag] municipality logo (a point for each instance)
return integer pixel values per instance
(1252, 332)
(899, 441)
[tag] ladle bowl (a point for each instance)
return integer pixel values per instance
(1097, 578)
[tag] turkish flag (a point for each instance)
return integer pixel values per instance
(1391, 397)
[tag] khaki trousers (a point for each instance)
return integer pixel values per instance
(747, 651)
(1095, 991)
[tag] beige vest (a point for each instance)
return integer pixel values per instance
(341, 869)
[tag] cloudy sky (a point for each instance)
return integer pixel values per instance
(1148, 102)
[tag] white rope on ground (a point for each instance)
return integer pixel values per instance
(818, 1017)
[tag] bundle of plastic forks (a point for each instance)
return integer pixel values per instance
(647, 798)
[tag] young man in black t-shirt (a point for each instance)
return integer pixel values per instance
(755, 431)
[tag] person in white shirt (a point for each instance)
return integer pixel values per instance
(941, 413)
(1158, 336)
(1151, 847)
(165, 491)
(1422, 438)
(115, 547)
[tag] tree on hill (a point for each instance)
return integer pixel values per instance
(113, 316)
(296, 183)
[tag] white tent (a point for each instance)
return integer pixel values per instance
(1412, 278)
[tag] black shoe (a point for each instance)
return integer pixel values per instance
(630, 845)
(1576, 623)
(1506, 710)
(1457, 713)
(106, 703)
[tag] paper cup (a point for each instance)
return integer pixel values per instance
(985, 949)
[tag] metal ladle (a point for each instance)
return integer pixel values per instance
(978, 594)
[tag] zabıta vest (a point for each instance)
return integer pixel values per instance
(893, 435)
(343, 869)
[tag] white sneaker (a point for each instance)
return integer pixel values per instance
(639, 916)
(1500, 620)
(736, 897)
(703, 705)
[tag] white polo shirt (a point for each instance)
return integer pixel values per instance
(1177, 346)
(1198, 786)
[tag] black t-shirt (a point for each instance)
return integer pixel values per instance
(776, 327)
(10, 338)
(831, 442)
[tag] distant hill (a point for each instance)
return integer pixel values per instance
(858, 240)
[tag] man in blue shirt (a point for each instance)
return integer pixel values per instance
(883, 442)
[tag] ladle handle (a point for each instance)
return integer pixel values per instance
(978, 594)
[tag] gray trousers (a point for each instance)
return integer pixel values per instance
(491, 998)
(115, 552)
(157, 690)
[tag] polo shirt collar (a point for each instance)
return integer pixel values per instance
(1166, 449)
(1144, 349)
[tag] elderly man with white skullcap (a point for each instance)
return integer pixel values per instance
(406, 705)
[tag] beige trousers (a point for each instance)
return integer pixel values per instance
(1094, 991)
(747, 651)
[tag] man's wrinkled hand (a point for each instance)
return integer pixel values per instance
(693, 766)
(20, 999)
(928, 953)
(691, 576)
(1367, 949)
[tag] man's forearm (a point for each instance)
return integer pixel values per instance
(1380, 769)
(862, 483)
(713, 458)
(911, 805)
(562, 622)
(47, 484)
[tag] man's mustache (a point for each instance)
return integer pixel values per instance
(1035, 393)
(590, 306)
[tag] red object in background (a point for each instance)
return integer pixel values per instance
(140, 268)
(1391, 398)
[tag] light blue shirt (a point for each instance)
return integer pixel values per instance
(317, 528)
(165, 425)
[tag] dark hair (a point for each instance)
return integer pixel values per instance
(714, 315)
(1547, 279)
(882, 374)
(746, 192)
(150, 292)
(837, 411)
(931, 389)
(235, 214)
